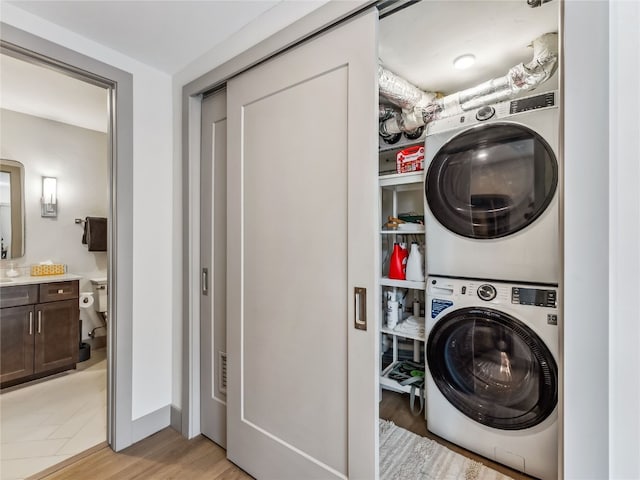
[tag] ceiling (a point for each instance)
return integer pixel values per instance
(45, 93)
(418, 43)
(164, 34)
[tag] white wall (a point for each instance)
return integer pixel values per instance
(77, 157)
(153, 279)
(624, 240)
(602, 238)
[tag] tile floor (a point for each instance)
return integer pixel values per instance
(47, 421)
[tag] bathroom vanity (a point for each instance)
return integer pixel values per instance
(39, 326)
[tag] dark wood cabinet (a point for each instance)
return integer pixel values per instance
(39, 328)
(56, 337)
(16, 343)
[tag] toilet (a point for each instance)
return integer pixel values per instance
(100, 303)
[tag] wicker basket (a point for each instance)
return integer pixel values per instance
(40, 270)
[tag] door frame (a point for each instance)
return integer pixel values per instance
(311, 25)
(119, 85)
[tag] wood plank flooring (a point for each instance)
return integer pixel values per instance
(395, 407)
(164, 455)
(167, 455)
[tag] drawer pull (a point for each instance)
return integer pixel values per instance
(39, 321)
(60, 290)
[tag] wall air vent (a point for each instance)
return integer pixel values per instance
(222, 372)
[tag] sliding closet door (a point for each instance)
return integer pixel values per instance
(302, 175)
(213, 258)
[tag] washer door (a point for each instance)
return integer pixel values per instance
(493, 368)
(491, 181)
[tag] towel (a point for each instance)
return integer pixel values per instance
(95, 234)
(411, 326)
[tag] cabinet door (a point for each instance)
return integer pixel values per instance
(56, 335)
(16, 342)
(302, 196)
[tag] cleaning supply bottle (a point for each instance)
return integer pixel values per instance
(396, 268)
(392, 311)
(405, 255)
(414, 264)
(416, 304)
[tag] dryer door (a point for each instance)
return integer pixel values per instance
(493, 368)
(491, 180)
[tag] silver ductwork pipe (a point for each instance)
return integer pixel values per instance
(427, 107)
(413, 102)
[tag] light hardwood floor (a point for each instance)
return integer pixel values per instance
(164, 455)
(167, 455)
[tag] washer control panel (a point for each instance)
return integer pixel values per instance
(534, 296)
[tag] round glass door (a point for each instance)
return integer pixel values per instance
(493, 368)
(491, 180)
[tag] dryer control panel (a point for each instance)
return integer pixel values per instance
(534, 296)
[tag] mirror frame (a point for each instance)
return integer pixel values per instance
(15, 170)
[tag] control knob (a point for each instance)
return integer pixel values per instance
(485, 113)
(487, 292)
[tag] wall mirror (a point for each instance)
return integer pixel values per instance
(11, 209)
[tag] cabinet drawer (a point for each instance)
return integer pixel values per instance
(18, 295)
(52, 292)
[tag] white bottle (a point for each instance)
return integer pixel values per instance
(414, 264)
(392, 312)
(416, 304)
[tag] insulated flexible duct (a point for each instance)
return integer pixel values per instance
(420, 107)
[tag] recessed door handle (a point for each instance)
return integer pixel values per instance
(360, 310)
(205, 281)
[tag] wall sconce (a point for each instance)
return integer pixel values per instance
(49, 198)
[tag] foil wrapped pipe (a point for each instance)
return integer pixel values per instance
(385, 112)
(400, 92)
(519, 78)
(427, 107)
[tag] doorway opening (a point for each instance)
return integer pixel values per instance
(86, 177)
(418, 175)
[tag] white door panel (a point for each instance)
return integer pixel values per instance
(302, 193)
(213, 257)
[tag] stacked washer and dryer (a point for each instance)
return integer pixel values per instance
(493, 266)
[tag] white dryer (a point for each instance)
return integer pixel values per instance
(492, 376)
(491, 192)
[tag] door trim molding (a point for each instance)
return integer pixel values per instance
(119, 84)
(314, 23)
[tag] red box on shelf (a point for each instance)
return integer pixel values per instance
(410, 159)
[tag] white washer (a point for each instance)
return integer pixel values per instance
(491, 192)
(492, 376)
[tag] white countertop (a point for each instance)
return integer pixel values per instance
(29, 280)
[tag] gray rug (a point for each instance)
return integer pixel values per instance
(407, 456)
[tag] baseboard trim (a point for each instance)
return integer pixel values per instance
(150, 423)
(176, 418)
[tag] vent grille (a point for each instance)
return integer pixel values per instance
(222, 372)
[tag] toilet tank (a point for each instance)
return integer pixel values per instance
(100, 293)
